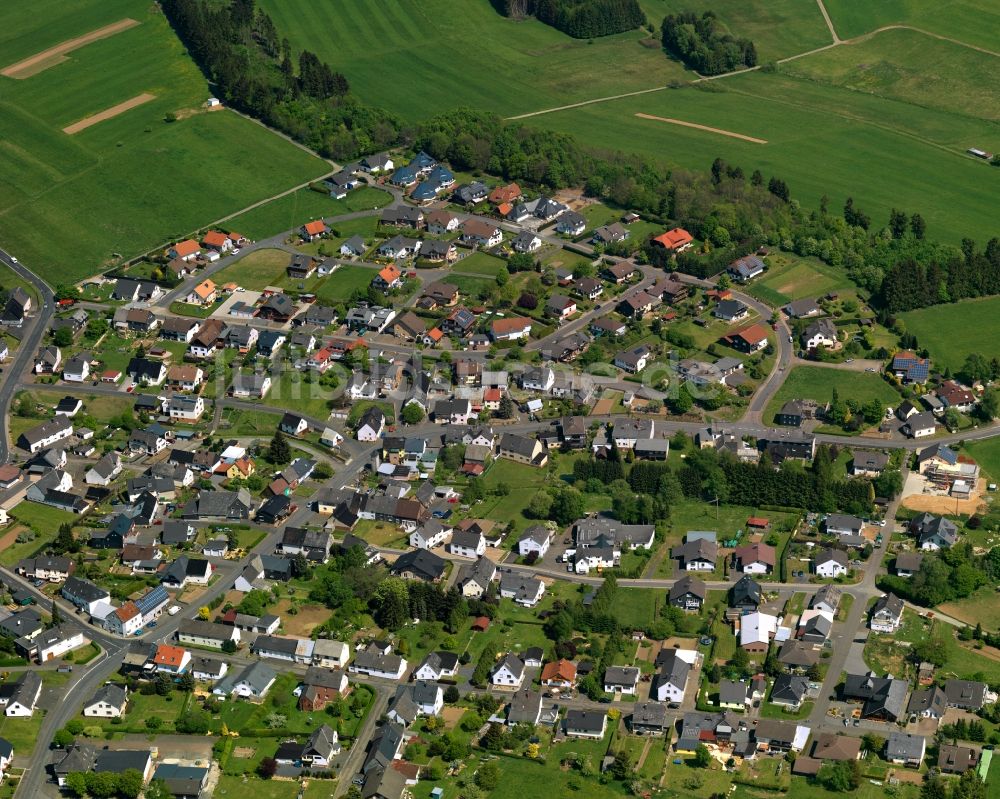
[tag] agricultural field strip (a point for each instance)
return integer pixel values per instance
(56, 55)
(108, 113)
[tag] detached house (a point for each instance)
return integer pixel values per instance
(314, 230)
(481, 234)
(508, 672)
(886, 614)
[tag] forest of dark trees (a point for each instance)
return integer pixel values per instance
(704, 45)
(238, 48)
(581, 19)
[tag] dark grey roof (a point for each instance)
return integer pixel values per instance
(592, 721)
(789, 688)
(525, 707)
(904, 746)
(110, 693)
(649, 714)
(420, 562)
(688, 585)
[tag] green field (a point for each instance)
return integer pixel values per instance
(294, 210)
(952, 332)
(987, 455)
(823, 140)
(420, 59)
(974, 21)
(912, 67)
(134, 181)
(817, 383)
(789, 277)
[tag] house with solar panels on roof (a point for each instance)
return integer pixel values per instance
(909, 368)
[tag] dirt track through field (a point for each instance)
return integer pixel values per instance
(705, 128)
(107, 113)
(56, 55)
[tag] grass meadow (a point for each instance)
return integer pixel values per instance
(817, 383)
(821, 139)
(952, 332)
(910, 67)
(421, 59)
(132, 182)
(974, 21)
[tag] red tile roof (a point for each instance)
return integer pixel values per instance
(674, 239)
(315, 228)
(186, 247)
(214, 238)
(167, 655)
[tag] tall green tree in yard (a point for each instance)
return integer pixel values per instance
(411, 413)
(130, 784)
(970, 786)
(702, 757)
(279, 452)
(391, 603)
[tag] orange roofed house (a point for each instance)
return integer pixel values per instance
(504, 194)
(676, 240)
(171, 659)
(218, 241)
(186, 250)
(559, 674)
(203, 294)
(388, 278)
(752, 338)
(313, 230)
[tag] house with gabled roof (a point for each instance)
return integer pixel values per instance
(886, 614)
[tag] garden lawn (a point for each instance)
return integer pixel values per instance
(294, 210)
(637, 607)
(480, 263)
(341, 285)
(789, 277)
(256, 270)
(952, 332)
(292, 393)
(22, 732)
(251, 423)
(817, 383)
(238, 787)
(41, 518)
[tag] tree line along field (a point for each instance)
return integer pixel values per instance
(952, 332)
(134, 181)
